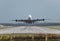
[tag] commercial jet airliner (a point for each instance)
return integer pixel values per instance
(29, 20)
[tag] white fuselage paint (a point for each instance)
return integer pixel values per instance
(29, 17)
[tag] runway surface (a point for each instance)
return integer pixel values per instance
(29, 29)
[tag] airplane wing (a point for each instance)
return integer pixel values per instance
(38, 19)
(19, 20)
(29, 21)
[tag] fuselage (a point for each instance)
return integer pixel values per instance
(29, 19)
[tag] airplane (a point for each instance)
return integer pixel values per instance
(29, 20)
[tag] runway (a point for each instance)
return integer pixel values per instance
(29, 29)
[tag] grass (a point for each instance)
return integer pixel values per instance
(54, 27)
(4, 27)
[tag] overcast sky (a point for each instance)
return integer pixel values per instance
(20, 9)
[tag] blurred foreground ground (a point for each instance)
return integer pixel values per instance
(29, 36)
